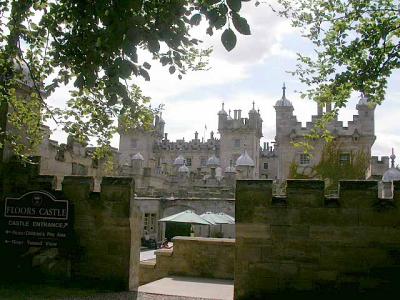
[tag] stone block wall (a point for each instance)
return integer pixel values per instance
(102, 227)
(104, 245)
(305, 241)
(192, 256)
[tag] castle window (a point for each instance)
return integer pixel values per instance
(149, 222)
(265, 166)
(304, 159)
(344, 159)
(236, 143)
(188, 162)
(133, 143)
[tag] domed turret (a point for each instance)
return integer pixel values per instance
(222, 111)
(138, 157)
(253, 110)
(183, 169)
(179, 161)
(393, 174)
(213, 161)
(244, 160)
(283, 102)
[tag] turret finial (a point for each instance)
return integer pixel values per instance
(284, 91)
(392, 157)
(223, 104)
(253, 104)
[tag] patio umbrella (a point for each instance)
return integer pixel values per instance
(215, 219)
(230, 219)
(187, 216)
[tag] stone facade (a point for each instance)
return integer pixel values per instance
(304, 241)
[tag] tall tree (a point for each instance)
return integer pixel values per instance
(356, 47)
(99, 46)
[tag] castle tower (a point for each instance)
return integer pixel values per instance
(366, 116)
(238, 133)
(141, 140)
(284, 126)
(366, 124)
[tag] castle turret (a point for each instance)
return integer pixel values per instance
(284, 128)
(222, 117)
(238, 132)
(159, 126)
(284, 114)
(366, 113)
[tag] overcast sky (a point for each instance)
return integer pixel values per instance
(253, 71)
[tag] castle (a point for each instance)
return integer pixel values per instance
(171, 176)
(239, 145)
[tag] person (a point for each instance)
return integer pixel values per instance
(165, 244)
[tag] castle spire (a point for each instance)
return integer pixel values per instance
(222, 111)
(284, 91)
(392, 157)
(253, 105)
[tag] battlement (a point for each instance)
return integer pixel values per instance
(361, 124)
(380, 160)
(193, 145)
(304, 239)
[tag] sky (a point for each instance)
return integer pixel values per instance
(253, 71)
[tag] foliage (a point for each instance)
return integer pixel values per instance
(99, 46)
(356, 47)
(330, 167)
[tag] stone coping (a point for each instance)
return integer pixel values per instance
(149, 264)
(179, 239)
(165, 198)
(164, 252)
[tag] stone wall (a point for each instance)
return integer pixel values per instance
(102, 226)
(104, 244)
(304, 241)
(191, 256)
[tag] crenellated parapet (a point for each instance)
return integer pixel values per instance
(305, 240)
(193, 145)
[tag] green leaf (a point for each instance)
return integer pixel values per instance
(228, 39)
(144, 74)
(79, 82)
(195, 20)
(241, 24)
(172, 69)
(154, 45)
(164, 60)
(234, 5)
(221, 21)
(113, 100)
(147, 65)
(125, 68)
